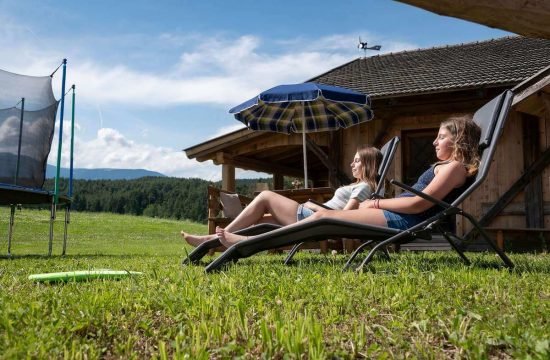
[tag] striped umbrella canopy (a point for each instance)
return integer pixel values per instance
(303, 108)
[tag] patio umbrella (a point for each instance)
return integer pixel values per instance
(303, 108)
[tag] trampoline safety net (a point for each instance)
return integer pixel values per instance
(25, 136)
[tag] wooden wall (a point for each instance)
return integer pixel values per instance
(544, 131)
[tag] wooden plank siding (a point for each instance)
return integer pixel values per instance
(544, 134)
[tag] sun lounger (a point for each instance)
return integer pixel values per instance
(491, 118)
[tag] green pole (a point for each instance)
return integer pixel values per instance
(60, 142)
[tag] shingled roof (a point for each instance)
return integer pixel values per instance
(499, 62)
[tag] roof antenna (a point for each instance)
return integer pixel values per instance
(365, 47)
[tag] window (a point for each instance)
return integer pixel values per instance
(418, 153)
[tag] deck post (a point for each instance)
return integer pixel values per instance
(228, 177)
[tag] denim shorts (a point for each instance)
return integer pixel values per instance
(400, 221)
(303, 212)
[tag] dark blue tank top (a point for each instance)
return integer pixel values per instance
(423, 181)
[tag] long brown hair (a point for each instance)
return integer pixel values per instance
(466, 135)
(370, 158)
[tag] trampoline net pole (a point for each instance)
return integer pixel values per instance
(72, 146)
(20, 139)
(60, 142)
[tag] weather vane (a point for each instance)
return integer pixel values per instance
(365, 47)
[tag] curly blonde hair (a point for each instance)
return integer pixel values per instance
(466, 135)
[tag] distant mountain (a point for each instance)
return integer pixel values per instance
(103, 174)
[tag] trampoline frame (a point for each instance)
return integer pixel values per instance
(11, 195)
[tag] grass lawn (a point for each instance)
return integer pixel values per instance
(419, 305)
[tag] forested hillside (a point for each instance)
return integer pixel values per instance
(163, 197)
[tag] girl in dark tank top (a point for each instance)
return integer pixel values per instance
(456, 148)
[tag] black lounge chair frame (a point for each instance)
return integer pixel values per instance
(388, 152)
(491, 118)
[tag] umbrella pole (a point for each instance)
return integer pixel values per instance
(304, 149)
(304, 146)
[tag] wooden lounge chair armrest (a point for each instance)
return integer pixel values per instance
(420, 193)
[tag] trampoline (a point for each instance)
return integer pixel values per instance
(28, 109)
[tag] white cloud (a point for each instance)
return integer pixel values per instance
(220, 72)
(209, 70)
(238, 74)
(214, 70)
(111, 149)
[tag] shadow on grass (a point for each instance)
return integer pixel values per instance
(421, 261)
(79, 256)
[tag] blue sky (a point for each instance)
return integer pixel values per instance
(155, 77)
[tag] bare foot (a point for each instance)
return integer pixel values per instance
(196, 240)
(228, 239)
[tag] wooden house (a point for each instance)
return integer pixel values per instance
(412, 92)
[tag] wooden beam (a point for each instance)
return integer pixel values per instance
(335, 154)
(527, 17)
(534, 207)
(343, 178)
(278, 182)
(228, 177)
(515, 208)
(526, 89)
(535, 169)
(222, 142)
(531, 96)
(382, 133)
(546, 101)
(266, 166)
(245, 163)
(316, 149)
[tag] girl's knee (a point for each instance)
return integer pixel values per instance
(266, 195)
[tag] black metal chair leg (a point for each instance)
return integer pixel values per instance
(292, 252)
(381, 244)
(370, 255)
(456, 248)
(500, 253)
(230, 255)
(355, 253)
(200, 251)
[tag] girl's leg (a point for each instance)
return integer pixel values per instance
(196, 240)
(364, 216)
(282, 211)
(267, 207)
(227, 238)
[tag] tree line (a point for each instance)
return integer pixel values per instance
(163, 197)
